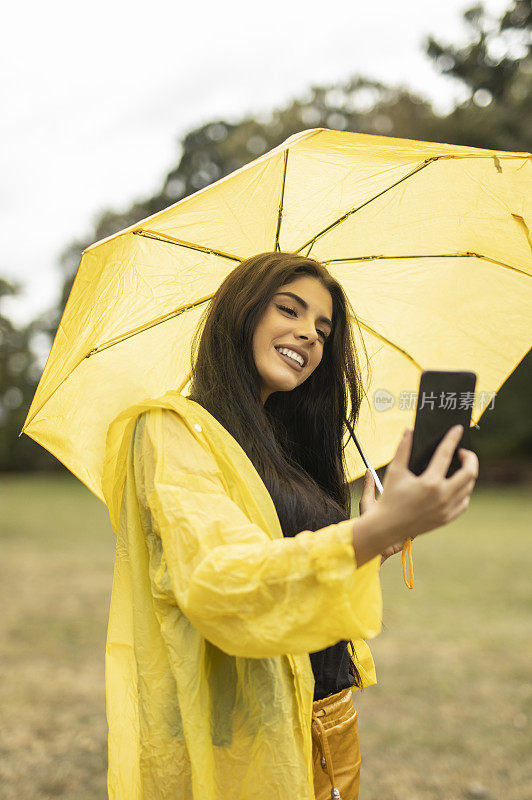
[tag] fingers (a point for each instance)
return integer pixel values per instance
(462, 491)
(442, 456)
(369, 482)
(467, 472)
(461, 507)
(368, 492)
(462, 483)
(402, 454)
(465, 493)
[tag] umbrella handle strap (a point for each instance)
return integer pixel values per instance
(408, 547)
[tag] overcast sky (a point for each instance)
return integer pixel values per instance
(95, 97)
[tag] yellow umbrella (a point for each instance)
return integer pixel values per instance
(430, 241)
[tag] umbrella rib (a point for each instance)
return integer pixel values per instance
(184, 382)
(390, 344)
(281, 203)
(467, 254)
(149, 234)
(311, 242)
(147, 326)
(118, 340)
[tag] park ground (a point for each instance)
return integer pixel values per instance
(451, 715)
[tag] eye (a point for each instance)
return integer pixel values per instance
(294, 312)
(290, 310)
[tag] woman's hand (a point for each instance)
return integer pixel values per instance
(367, 501)
(412, 504)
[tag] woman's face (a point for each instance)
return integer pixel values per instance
(298, 318)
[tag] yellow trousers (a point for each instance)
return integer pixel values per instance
(335, 747)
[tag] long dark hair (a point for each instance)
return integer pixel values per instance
(294, 440)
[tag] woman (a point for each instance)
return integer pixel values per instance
(237, 556)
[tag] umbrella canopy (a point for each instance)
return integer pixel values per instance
(430, 241)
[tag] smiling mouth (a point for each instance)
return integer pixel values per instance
(289, 361)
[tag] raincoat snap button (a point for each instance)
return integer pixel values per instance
(336, 794)
(323, 762)
(197, 427)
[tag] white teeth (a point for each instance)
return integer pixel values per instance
(291, 354)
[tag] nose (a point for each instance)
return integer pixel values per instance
(307, 331)
(310, 337)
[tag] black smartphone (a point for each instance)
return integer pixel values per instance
(445, 399)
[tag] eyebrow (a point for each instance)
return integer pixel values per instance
(305, 306)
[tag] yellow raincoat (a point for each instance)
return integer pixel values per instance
(213, 613)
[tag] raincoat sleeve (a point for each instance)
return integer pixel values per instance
(249, 594)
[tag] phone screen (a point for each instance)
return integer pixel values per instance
(445, 399)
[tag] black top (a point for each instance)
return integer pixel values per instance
(331, 670)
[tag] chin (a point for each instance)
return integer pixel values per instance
(279, 385)
(286, 386)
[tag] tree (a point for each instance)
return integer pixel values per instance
(19, 374)
(495, 66)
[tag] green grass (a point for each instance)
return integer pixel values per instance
(55, 582)
(450, 717)
(451, 714)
